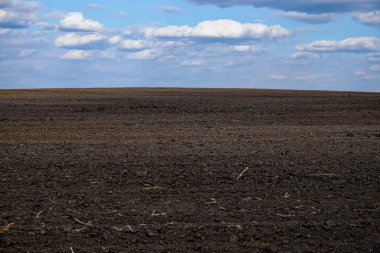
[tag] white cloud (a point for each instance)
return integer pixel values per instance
(45, 25)
(245, 48)
(373, 57)
(168, 9)
(220, 29)
(24, 6)
(74, 40)
(115, 40)
(356, 44)
(53, 15)
(5, 31)
(74, 21)
(369, 18)
(76, 55)
(304, 55)
(12, 19)
(26, 52)
(122, 14)
(359, 72)
(193, 63)
(278, 77)
(309, 18)
(134, 45)
(375, 68)
(147, 54)
(309, 6)
(17, 14)
(94, 6)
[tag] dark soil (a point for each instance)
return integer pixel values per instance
(155, 170)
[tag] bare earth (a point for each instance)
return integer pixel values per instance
(159, 170)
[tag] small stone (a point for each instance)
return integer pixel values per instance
(104, 249)
(42, 232)
(150, 233)
(234, 239)
(6, 241)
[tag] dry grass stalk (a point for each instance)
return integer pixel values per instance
(6, 227)
(242, 173)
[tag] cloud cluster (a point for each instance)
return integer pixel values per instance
(168, 9)
(94, 6)
(369, 18)
(308, 6)
(76, 55)
(134, 45)
(245, 48)
(355, 45)
(16, 14)
(74, 21)
(304, 55)
(147, 54)
(309, 18)
(81, 41)
(219, 29)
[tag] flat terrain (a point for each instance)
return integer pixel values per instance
(159, 170)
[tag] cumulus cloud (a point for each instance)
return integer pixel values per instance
(74, 21)
(309, 18)
(245, 48)
(220, 29)
(76, 55)
(147, 54)
(309, 6)
(168, 9)
(14, 20)
(134, 45)
(81, 41)
(356, 45)
(27, 6)
(17, 14)
(369, 18)
(114, 39)
(304, 55)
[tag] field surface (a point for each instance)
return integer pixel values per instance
(186, 170)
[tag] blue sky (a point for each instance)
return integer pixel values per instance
(289, 44)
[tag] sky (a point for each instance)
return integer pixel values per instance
(287, 44)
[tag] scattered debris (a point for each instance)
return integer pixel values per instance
(152, 188)
(234, 238)
(157, 214)
(118, 229)
(324, 175)
(212, 201)
(285, 215)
